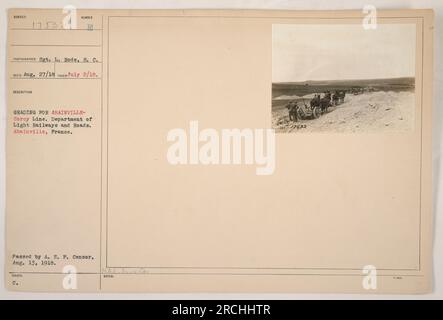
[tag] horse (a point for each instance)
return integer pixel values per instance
(315, 102)
(325, 102)
(341, 96)
(336, 98)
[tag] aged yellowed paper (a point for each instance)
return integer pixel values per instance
(219, 151)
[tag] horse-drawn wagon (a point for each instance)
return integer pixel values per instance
(317, 106)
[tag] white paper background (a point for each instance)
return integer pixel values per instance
(437, 5)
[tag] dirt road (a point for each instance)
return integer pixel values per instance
(368, 112)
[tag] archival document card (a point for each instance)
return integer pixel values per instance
(219, 151)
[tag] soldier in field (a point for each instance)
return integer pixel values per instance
(293, 111)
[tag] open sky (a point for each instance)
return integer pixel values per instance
(303, 52)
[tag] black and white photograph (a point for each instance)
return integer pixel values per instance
(224, 159)
(343, 78)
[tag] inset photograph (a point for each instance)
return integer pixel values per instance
(343, 78)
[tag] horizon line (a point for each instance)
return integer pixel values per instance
(355, 79)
